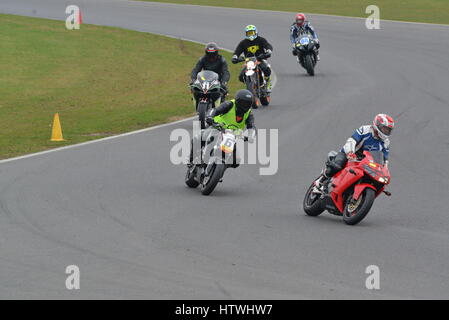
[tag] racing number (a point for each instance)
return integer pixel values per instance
(229, 142)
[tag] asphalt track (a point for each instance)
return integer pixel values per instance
(120, 210)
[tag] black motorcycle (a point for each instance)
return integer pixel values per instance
(207, 94)
(254, 79)
(216, 155)
(306, 52)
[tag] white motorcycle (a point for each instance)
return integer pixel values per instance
(216, 155)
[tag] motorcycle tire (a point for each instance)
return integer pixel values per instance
(265, 101)
(216, 175)
(190, 179)
(250, 86)
(368, 195)
(202, 110)
(313, 208)
(309, 65)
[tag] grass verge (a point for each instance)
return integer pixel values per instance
(429, 11)
(102, 81)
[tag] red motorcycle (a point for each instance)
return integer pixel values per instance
(351, 192)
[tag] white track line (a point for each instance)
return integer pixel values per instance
(95, 141)
(123, 134)
(278, 11)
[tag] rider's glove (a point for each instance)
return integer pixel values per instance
(251, 135)
(224, 85)
(351, 156)
(235, 59)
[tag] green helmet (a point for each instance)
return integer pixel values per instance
(251, 32)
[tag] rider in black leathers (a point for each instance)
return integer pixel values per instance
(255, 46)
(213, 61)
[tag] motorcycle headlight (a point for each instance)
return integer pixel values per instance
(384, 180)
(376, 174)
(373, 173)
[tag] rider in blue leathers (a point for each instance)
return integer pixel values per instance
(302, 26)
(374, 137)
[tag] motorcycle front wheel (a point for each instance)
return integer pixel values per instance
(312, 203)
(251, 86)
(309, 65)
(202, 110)
(356, 211)
(212, 180)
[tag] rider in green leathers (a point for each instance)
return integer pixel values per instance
(235, 114)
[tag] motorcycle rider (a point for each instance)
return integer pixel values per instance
(374, 137)
(233, 114)
(212, 61)
(255, 46)
(301, 25)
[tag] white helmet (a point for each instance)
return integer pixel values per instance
(383, 125)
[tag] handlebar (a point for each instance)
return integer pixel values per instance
(221, 128)
(263, 56)
(217, 126)
(259, 57)
(240, 59)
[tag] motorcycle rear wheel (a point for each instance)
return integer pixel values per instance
(214, 178)
(265, 101)
(190, 178)
(354, 215)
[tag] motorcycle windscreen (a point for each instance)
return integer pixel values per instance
(207, 75)
(378, 157)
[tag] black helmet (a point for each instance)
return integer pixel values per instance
(211, 50)
(244, 100)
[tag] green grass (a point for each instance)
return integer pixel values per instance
(430, 11)
(101, 80)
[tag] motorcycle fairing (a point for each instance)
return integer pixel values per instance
(342, 180)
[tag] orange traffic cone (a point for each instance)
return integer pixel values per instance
(56, 132)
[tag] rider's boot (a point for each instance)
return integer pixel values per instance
(268, 81)
(317, 55)
(322, 183)
(235, 161)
